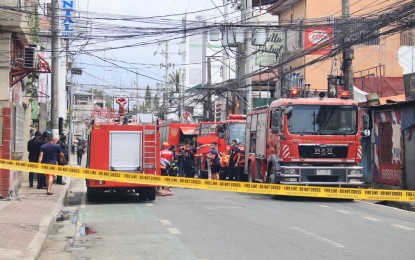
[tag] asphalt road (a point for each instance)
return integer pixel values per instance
(194, 224)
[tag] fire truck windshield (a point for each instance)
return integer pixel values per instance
(237, 131)
(324, 119)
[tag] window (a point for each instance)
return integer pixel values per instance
(408, 37)
(323, 120)
(385, 142)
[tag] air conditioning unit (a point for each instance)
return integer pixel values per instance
(30, 58)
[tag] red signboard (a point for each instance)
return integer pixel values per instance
(390, 174)
(319, 36)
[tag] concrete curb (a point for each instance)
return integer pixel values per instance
(35, 246)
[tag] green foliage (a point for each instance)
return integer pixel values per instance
(156, 101)
(147, 102)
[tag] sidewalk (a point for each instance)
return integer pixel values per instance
(25, 221)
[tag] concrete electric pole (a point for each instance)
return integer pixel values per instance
(55, 68)
(225, 68)
(245, 67)
(348, 53)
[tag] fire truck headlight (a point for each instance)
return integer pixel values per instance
(354, 172)
(290, 171)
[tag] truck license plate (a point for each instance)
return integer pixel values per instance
(323, 172)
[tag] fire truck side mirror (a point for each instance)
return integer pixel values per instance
(288, 110)
(274, 122)
(275, 130)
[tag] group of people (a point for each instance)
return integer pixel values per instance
(230, 160)
(186, 161)
(43, 148)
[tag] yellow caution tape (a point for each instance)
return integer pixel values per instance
(229, 186)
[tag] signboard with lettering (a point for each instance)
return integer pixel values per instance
(273, 49)
(316, 36)
(43, 85)
(67, 19)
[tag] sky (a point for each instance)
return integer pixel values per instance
(150, 54)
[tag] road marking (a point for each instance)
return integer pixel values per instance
(165, 222)
(318, 237)
(344, 211)
(372, 219)
(149, 204)
(174, 231)
(324, 206)
(403, 227)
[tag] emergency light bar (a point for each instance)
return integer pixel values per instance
(235, 116)
(345, 94)
(294, 93)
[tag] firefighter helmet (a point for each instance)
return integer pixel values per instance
(165, 145)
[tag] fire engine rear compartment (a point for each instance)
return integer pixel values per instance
(127, 148)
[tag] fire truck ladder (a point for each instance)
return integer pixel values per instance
(150, 149)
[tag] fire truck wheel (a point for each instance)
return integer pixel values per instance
(91, 194)
(151, 193)
(142, 194)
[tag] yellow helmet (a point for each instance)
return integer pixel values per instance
(165, 145)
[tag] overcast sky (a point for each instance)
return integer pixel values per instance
(116, 76)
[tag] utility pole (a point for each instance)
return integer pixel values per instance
(348, 53)
(70, 134)
(248, 57)
(225, 68)
(166, 66)
(209, 85)
(138, 91)
(245, 66)
(55, 68)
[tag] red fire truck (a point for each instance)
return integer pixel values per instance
(311, 141)
(176, 133)
(223, 133)
(122, 146)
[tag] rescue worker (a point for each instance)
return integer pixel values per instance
(213, 155)
(166, 158)
(234, 158)
(189, 160)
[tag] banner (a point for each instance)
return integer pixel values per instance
(203, 184)
(67, 17)
(273, 49)
(319, 36)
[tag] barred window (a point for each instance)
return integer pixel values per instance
(408, 37)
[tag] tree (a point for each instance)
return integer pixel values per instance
(147, 99)
(174, 78)
(156, 101)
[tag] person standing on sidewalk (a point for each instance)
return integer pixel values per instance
(65, 151)
(33, 147)
(79, 152)
(49, 153)
(41, 178)
(234, 158)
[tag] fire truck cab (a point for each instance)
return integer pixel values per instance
(122, 146)
(222, 133)
(305, 141)
(176, 133)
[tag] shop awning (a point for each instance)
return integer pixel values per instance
(188, 130)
